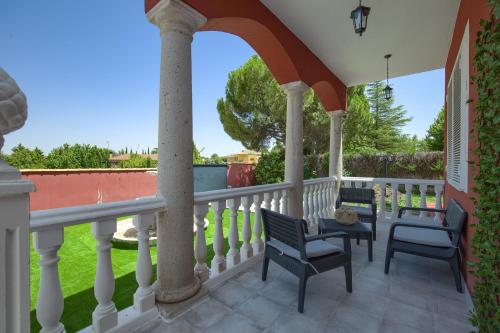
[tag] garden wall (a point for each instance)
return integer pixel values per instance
(63, 188)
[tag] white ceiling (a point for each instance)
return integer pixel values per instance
(416, 32)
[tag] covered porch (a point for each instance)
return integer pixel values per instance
(226, 293)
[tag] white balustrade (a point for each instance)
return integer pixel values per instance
(144, 298)
(48, 231)
(246, 232)
(218, 262)
(258, 244)
(105, 315)
(277, 201)
(408, 184)
(318, 199)
(423, 201)
(201, 268)
(50, 304)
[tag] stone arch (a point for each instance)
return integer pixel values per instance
(286, 56)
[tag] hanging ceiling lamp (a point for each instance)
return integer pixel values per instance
(387, 89)
(359, 18)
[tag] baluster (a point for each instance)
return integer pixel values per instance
(394, 202)
(218, 264)
(347, 183)
(50, 302)
(276, 201)
(408, 190)
(284, 202)
(328, 194)
(381, 213)
(324, 198)
(369, 185)
(233, 256)
(423, 199)
(305, 203)
(258, 244)
(105, 315)
(310, 203)
(315, 203)
(144, 297)
(200, 268)
(320, 200)
(246, 248)
(438, 189)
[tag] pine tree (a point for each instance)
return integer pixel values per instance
(387, 119)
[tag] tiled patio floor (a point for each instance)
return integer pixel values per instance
(418, 295)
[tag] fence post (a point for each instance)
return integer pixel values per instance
(14, 261)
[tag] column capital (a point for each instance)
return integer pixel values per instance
(337, 113)
(175, 15)
(295, 87)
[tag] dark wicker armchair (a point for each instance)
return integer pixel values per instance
(430, 240)
(360, 196)
(288, 245)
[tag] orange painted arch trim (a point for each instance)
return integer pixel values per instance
(285, 55)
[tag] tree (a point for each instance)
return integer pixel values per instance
(77, 157)
(254, 111)
(434, 139)
(214, 159)
(358, 123)
(24, 158)
(138, 161)
(197, 159)
(387, 120)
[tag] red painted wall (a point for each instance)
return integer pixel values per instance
(240, 175)
(62, 188)
(471, 11)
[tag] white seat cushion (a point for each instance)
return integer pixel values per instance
(438, 238)
(314, 249)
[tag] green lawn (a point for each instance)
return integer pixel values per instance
(77, 270)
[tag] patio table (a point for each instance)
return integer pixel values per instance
(357, 230)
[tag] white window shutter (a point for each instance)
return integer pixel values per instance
(457, 118)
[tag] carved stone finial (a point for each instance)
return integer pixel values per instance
(13, 106)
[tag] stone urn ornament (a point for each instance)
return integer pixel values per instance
(346, 216)
(13, 106)
(13, 114)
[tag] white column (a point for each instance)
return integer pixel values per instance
(381, 212)
(305, 203)
(218, 264)
(105, 315)
(15, 245)
(144, 297)
(176, 280)
(294, 154)
(394, 201)
(335, 162)
(201, 269)
(50, 304)
(408, 190)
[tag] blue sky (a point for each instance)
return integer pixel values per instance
(90, 70)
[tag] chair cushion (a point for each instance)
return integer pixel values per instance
(314, 249)
(437, 238)
(360, 210)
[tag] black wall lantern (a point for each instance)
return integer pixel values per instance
(387, 89)
(359, 18)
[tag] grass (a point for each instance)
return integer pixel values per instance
(77, 265)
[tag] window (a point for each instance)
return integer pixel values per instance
(457, 118)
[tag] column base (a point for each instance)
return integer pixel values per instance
(170, 311)
(178, 295)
